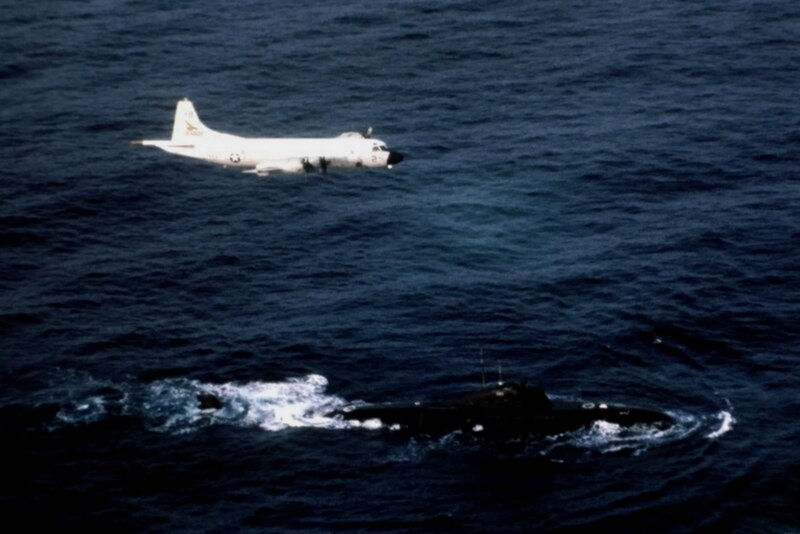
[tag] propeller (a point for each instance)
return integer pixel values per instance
(323, 164)
(307, 166)
(369, 133)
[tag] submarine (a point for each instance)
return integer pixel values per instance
(504, 411)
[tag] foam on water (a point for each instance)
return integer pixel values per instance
(726, 421)
(87, 410)
(606, 437)
(172, 405)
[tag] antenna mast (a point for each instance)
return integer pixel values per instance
(499, 373)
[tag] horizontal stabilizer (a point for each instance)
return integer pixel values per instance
(161, 144)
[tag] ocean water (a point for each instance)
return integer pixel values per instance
(602, 198)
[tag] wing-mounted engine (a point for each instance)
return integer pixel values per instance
(321, 165)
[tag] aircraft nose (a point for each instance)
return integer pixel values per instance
(394, 158)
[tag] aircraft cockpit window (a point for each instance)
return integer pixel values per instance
(375, 149)
(383, 148)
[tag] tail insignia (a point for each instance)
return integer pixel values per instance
(191, 129)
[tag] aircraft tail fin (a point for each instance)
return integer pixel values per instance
(187, 126)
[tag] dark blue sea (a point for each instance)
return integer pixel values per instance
(600, 198)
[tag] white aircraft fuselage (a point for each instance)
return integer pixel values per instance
(191, 138)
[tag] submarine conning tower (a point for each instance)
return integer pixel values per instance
(520, 396)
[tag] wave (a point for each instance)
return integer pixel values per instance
(726, 420)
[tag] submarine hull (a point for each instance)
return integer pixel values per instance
(504, 411)
(441, 420)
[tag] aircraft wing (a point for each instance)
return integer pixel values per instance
(293, 165)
